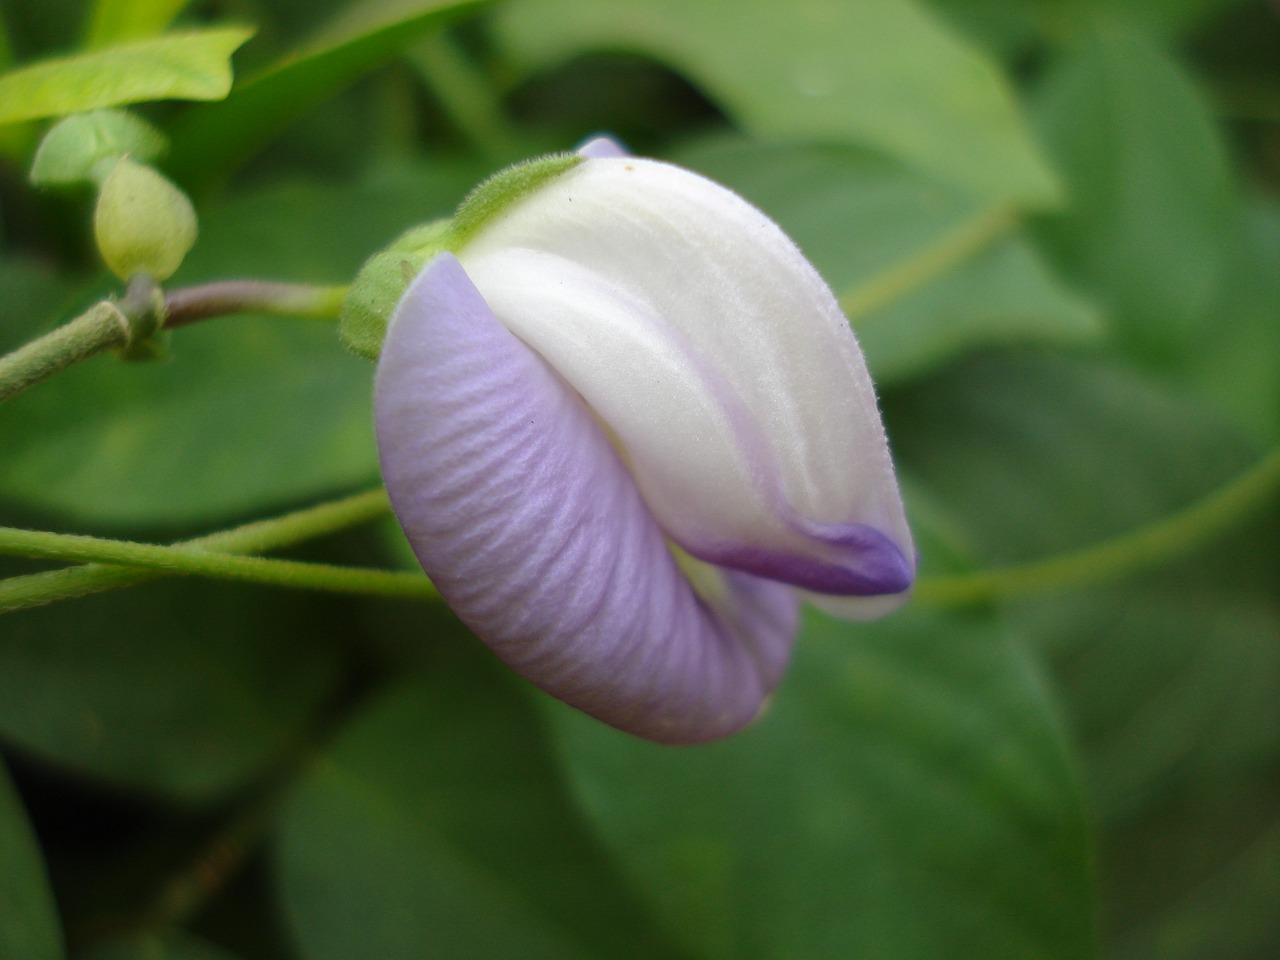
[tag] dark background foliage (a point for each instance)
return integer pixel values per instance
(1055, 226)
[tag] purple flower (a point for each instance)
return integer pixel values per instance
(626, 428)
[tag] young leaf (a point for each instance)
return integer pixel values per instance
(72, 149)
(195, 65)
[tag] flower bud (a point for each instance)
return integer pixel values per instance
(626, 429)
(143, 223)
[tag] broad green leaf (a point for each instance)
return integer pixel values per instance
(253, 413)
(906, 795)
(1230, 914)
(1035, 454)
(74, 147)
(1172, 680)
(924, 271)
(118, 21)
(1002, 28)
(1173, 684)
(212, 139)
(1149, 190)
(879, 73)
(181, 689)
(195, 65)
(437, 826)
(28, 919)
(1011, 28)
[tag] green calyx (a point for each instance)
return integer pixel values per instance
(386, 275)
(142, 222)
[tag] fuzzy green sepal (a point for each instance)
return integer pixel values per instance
(386, 275)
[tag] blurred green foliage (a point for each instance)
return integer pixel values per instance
(1055, 226)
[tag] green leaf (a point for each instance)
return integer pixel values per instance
(28, 919)
(1036, 454)
(1235, 359)
(437, 827)
(878, 73)
(186, 690)
(253, 413)
(195, 65)
(76, 146)
(118, 21)
(1149, 189)
(40, 291)
(1172, 681)
(210, 140)
(1011, 29)
(906, 795)
(1173, 684)
(925, 272)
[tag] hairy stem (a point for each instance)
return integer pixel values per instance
(1151, 546)
(107, 325)
(299, 574)
(102, 327)
(36, 589)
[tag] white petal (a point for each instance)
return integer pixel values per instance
(714, 353)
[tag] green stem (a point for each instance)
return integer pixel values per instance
(102, 327)
(35, 589)
(299, 574)
(189, 304)
(107, 325)
(926, 265)
(1151, 546)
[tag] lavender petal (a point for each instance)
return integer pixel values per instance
(523, 515)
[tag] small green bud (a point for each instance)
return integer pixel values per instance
(77, 148)
(143, 223)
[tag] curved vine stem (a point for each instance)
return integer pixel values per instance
(119, 563)
(36, 589)
(1151, 546)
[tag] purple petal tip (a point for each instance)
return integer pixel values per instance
(602, 148)
(857, 560)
